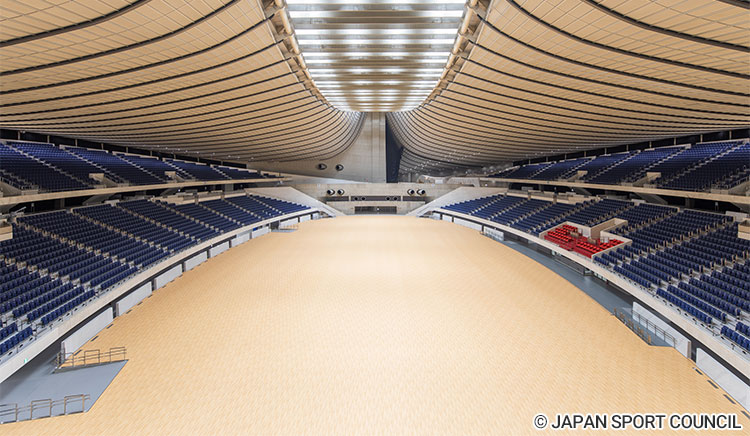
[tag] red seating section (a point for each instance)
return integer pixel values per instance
(567, 237)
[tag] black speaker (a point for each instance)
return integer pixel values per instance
(410, 192)
(421, 192)
(330, 192)
(340, 192)
(322, 166)
(339, 167)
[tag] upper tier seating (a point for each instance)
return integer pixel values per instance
(634, 168)
(731, 167)
(527, 171)
(237, 174)
(30, 172)
(151, 165)
(46, 167)
(121, 168)
(560, 170)
(62, 160)
(602, 164)
(704, 166)
(196, 171)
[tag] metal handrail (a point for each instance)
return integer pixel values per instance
(630, 320)
(46, 404)
(90, 357)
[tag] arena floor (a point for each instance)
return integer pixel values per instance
(375, 325)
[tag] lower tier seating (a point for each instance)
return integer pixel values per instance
(57, 261)
(692, 260)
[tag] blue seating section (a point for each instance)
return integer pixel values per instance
(196, 171)
(7, 331)
(602, 163)
(731, 168)
(672, 298)
(15, 340)
(34, 173)
(50, 254)
(679, 226)
(526, 171)
(736, 337)
(46, 167)
(136, 226)
(692, 259)
(206, 216)
(232, 211)
(541, 220)
(642, 214)
(469, 206)
(170, 218)
(68, 257)
(236, 173)
(519, 210)
(285, 207)
(719, 165)
(62, 160)
(560, 170)
(97, 237)
(151, 165)
(115, 165)
(255, 206)
(635, 167)
(499, 205)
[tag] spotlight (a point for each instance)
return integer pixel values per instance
(410, 192)
(322, 166)
(330, 192)
(421, 192)
(339, 167)
(340, 192)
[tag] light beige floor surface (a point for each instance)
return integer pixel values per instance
(375, 325)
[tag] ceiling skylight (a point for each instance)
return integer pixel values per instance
(378, 55)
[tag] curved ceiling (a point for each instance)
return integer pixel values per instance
(540, 77)
(228, 79)
(212, 78)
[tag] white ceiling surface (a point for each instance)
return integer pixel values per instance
(552, 76)
(200, 77)
(376, 55)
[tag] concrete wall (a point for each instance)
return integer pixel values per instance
(242, 238)
(260, 232)
(723, 377)
(195, 260)
(363, 161)
(213, 251)
(133, 298)
(167, 276)
(87, 331)
(318, 192)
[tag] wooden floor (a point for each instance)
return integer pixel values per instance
(375, 325)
